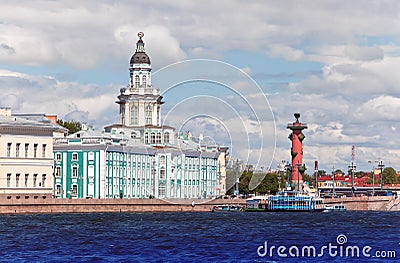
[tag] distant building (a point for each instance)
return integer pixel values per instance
(26, 156)
(138, 157)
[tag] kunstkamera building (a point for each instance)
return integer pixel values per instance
(138, 157)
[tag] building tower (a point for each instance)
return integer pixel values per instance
(297, 138)
(140, 104)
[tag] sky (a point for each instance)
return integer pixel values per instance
(235, 71)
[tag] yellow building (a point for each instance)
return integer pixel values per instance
(26, 157)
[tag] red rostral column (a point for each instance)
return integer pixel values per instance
(297, 138)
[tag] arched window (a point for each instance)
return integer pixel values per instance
(144, 81)
(137, 81)
(148, 114)
(146, 138)
(166, 137)
(153, 138)
(158, 139)
(134, 115)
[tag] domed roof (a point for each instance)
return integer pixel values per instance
(140, 56)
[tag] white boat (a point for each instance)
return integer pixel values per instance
(257, 204)
(227, 208)
(335, 208)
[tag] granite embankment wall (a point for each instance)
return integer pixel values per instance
(48, 205)
(365, 203)
(108, 205)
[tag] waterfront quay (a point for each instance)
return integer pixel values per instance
(58, 205)
(49, 205)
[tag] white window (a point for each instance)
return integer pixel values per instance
(91, 171)
(58, 157)
(74, 190)
(91, 156)
(17, 149)
(144, 81)
(158, 139)
(162, 159)
(35, 150)
(34, 180)
(17, 180)
(26, 180)
(74, 157)
(166, 137)
(134, 115)
(43, 180)
(58, 171)
(161, 190)
(58, 189)
(153, 138)
(44, 150)
(9, 149)
(74, 171)
(137, 81)
(162, 174)
(148, 114)
(8, 180)
(26, 149)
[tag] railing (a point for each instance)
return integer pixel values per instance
(392, 203)
(60, 141)
(296, 124)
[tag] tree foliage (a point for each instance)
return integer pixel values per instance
(389, 175)
(310, 179)
(72, 126)
(269, 184)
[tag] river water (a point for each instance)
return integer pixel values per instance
(201, 237)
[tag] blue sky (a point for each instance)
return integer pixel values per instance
(334, 62)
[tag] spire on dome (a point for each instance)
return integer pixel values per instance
(140, 55)
(140, 44)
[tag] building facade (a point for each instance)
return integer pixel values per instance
(92, 166)
(26, 157)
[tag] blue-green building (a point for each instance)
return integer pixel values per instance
(88, 166)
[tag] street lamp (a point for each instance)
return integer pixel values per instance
(236, 171)
(316, 177)
(281, 169)
(288, 169)
(373, 177)
(380, 165)
(352, 168)
(333, 185)
(298, 165)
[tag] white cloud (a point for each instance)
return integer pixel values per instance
(364, 53)
(35, 94)
(286, 52)
(353, 101)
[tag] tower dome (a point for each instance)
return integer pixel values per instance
(140, 56)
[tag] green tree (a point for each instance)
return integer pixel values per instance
(244, 180)
(309, 178)
(268, 185)
(389, 175)
(72, 126)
